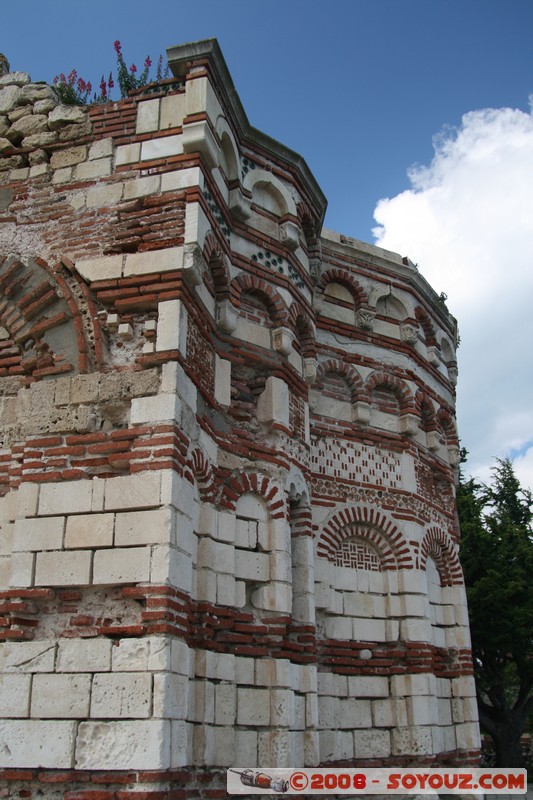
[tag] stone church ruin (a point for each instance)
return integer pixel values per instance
(228, 529)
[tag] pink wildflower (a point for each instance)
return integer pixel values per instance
(147, 62)
(133, 69)
(89, 87)
(116, 45)
(103, 88)
(110, 81)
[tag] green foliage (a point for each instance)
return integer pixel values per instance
(74, 90)
(497, 558)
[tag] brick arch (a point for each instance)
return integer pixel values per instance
(216, 263)
(255, 483)
(272, 299)
(437, 545)
(345, 279)
(394, 384)
(425, 323)
(37, 298)
(199, 469)
(304, 329)
(426, 411)
(372, 526)
(345, 371)
(447, 423)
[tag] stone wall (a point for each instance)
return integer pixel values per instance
(227, 461)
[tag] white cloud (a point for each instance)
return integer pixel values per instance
(467, 222)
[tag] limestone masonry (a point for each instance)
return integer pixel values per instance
(228, 528)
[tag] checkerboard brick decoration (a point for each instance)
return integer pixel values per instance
(228, 453)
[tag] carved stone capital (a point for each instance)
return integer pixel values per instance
(193, 264)
(238, 205)
(198, 138)
(282, 339)
(364, 319)
(315, 269)
(310, 370)
(433, 355)
(290, 235)
(452, 372)
(226, 316)
(361, 412)
(409, 424)
(409, 333)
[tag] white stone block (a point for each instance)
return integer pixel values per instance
(171, 696)
(182, 658)
(181, 179)
(38, 534)
(463, 686)
(170, 258)
(225, 704)
(147, 116)
(104, 195)
(244, 670)
(119, 695)
(44, 744)
(54, 499)
(282, 708)
(369, 630)
(6, 573)
(222, 381)
(142, 187)
(275, 749)
(252, 566)
(216, 555)
(101, 149)
(27, 498)
(122, 565)
(161, 148)
(84, 655)
(411, 741)
(223, 746)
(368, 686)
(28, 656)
(274, 596)
(64, 568)
(273, 403)
(411, 685)
(128, 154)
(372, 744)
(181, 751)
(416, 630)
(135, 744)
(273, 672)
(338, 628)
(170, 330)
(253, 707)
(172, 112)
(143, 527)
(141, 490)
(15, 695)
(202, 701)
(159, 408)
(383, 715)
(245, 748)
(99, 168)
(60, 696)
(355, 714)
(89, 530)
(422, 710)
(141, 655)
(210, 664)
(21, 570)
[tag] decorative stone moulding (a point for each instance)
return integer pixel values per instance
(454, 455)
(239, 205)
(226, 316)
(364, 319)
(282, 339)
(433, 355)
(197, 138)
(409, 424)
(453, 372)
(315, 269)
(361, 412)
(194, 264)
(310, 370)
(432, 440)
(408, 333)
(290, 235)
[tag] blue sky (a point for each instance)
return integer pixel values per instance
(366, 90)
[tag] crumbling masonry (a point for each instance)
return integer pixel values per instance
(228, 531)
